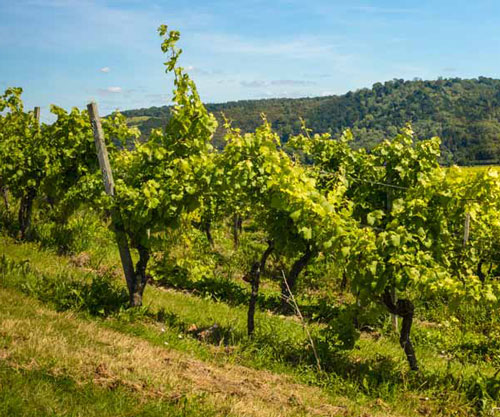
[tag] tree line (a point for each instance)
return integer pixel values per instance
(464, 113)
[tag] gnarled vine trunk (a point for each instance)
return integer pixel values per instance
(404, 309)
(237, 229)
(136, 278)
(140, 277)
(25, 212)
(292, 277)
(253, 278)
(343, 284)
(207, 227)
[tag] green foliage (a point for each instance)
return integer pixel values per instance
(341, 332)
(73, 176)
(56, 162)
(413, 216)
(24, 153)
(80, 232)
(283, 199)
(99, 297)
(163, 179)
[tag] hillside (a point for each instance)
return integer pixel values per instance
(261, 286)
(67, 348)
(464, 113)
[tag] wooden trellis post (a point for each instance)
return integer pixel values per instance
(107, 176)
(36, 112)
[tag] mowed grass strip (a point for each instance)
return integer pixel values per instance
(36, 341)
(373, 378)
(37, 392)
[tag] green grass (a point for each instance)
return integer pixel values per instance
(373, 373)
(25, 392)
(69, 364)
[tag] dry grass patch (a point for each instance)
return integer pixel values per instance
(33, 337)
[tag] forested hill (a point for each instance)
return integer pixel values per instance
(464, 113)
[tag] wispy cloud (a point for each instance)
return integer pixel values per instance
(110, 24)
(110, 90)
(337, 46)
(322, 75)
(292, 82)
(197, 70)
(273, 83)
(280, 94)
(299, 48)
(159, 97)
(227, 81)
(253, 84)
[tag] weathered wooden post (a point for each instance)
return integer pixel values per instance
(36, 112)
(26, 204)
(107, 176)
(102, 152)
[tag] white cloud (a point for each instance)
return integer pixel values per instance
(299, 48)
(274, 83)
(253, 84)
(282, 94)
(199, 71)
(111, 90)
(105, 69)
(292, 82)
(104, 23)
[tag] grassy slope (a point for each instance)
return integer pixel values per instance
(69, 355)
(55, 363)
(69, 363)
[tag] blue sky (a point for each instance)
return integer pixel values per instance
(69, 52)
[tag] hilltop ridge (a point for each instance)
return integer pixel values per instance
(465, 113)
